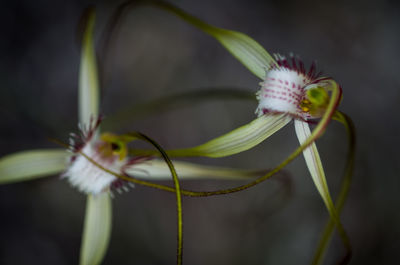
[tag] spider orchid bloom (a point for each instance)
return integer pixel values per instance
(288, 92)
(107, 150)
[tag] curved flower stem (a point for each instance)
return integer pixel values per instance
(319, 129)
(316, 133)
(177, 191)
(345, 185)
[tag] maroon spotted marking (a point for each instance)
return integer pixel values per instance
(268, 88)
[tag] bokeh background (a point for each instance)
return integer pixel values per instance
(155, 54)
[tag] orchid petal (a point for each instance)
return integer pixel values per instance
(97, 229)
(32, 164)
(314, 165)
(249, 52)
(88, 80)
(157, 169)
(236, 141)
(313, 161)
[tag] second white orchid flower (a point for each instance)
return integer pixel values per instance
(98, 161)
(288, 92)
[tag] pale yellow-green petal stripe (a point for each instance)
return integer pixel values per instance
(157, 170)
(313, 161)
(238, 140)
(97, 229)
(32, 164)
(314, 165)
(251, 54)
(88, 79)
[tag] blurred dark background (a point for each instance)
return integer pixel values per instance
(155, 54)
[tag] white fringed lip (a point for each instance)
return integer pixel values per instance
(284, 88)
(282, 91)
(88, 177)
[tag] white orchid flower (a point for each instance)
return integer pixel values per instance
(289, 92)
(99, 161)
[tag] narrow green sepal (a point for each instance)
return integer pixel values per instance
(27, 165)
(236, 141)
(97, 229)
(88, 91)
(249, 52)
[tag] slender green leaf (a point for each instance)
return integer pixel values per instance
(156, 169)
(88, 79)
(317, 132)
(97, 229)
(32, 164)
